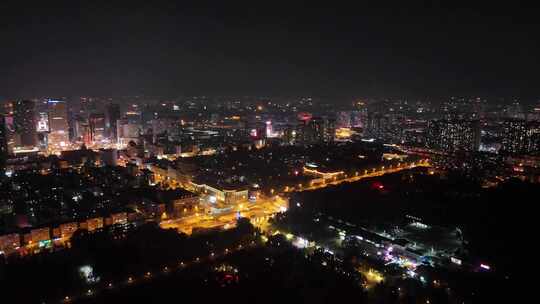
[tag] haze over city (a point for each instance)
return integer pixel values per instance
(414, 49)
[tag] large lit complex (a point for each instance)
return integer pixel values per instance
(58, 137)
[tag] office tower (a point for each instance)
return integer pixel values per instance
(533, 137)
(329, 130)
(10, 133)
(515, 111)
(3, 142)
(257, 130)
(454, 135)
(314, 131)
(97, 127)
(269, 129)
(112, 115)
(359, 118)
(43, 122)
(514, 136)
(81, 131)
(24, 123)
(147, 114)
(343, 119)
(377, 126)
(127, 131)
(301, 132)
(289, 135)
(58, 123)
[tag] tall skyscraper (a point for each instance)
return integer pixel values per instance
(97, 127)
(514, 136)
(43, 122)
(329, 129)
(315, 130)
(359, 118)
(112, 115)
(454, 135)
(3, 142)
(533, 136)
(377, 126)
(343, 119)
(24, 123)
(58, 123)
(289, 135)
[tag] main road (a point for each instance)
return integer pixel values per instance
(265, 207)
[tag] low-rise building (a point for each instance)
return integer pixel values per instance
(9, 243)
(67, 229)
(93, 224)
(118, 218)
(36, 235)
(228, 194)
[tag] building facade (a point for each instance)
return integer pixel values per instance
(24, 123)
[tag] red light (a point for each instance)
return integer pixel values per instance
(377, 186)
(305, 116)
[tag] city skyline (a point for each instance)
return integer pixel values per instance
(267, 153)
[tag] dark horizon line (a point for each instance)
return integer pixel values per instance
(344, 98)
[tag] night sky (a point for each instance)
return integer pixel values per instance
(270, 49)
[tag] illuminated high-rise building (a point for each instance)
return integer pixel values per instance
(112, 115)
(289, 135)
(454, 135)
(377, 126)
(329, 130)
(10, 133)
(514, 136)
(359, 118)
(58, 123)
(24, 123)
(97, 127)
(533, 136)
(3, 141)
(43, 122)
(127, 131)
(315, 130)
(343, 119)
